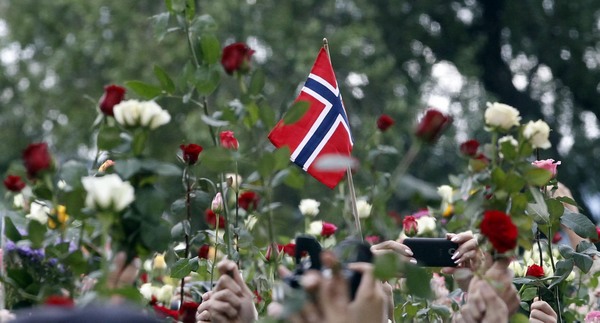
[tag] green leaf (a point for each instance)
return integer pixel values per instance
(529, 293)
(296, 112)
(580, 224)
(77, 262)
(294, 179)
(555, 209)
(266, 115)
(537, 176)
(181, 268)
(11, 231)
(36, 233)
(145, 90)
(128, 167)
(217, 159)
(161, 25)
(498, 177)
(257, 82)
(387, 266)
(415, 276)
(211, 49)
(514, 183)
(563, 269)
(180, 229)
(206, 79)
(539, 212)
(165, 81)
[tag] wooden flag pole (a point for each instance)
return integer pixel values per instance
(351, 190)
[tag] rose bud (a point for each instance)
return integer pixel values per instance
(236, 57)
(384, 122)
(410, 226)
(203, 251)
(36, 158)
(432, 125)
(328, 229)
(113, 94)
(190, 153)
(535, 271)
(469, 147)
(228, 140)
(217, 203)
(14, 183)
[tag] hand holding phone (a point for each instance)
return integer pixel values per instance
(432, 252)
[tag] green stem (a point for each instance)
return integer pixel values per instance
(237, 216)
(188, 209)
(214, 261)
(228, 240)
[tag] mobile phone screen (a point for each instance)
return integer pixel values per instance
(432, 252)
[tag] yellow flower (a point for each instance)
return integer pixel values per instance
(58, 215)
(448, 211)
(159, 262)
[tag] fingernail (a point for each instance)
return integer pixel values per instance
(408, 252)
(454, 239)
(414, 261)
(455, 255)
(458, 261)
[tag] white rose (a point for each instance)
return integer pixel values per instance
(147, 290)
(233, 180)
(309, 207)
(107, 192)
(537, 133)
(501, 116)
(446, 193)
(425, 224)
(19, 201)
(132, 113)
(38, 212)
(363, 208)
(517, 268)
(165, 294)
(315, 228)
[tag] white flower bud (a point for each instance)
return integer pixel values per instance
(363, 208)
(501, 116)
(537, 133)
(309, 207)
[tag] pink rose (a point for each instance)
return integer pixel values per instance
(547, 164)
(410, 225)
(228, 140)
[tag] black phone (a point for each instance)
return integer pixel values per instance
(432, 252)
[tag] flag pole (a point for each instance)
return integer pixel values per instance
(351, 190)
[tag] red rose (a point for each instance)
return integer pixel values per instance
(228, 140)
(328, 229)
(163, 312)
(190, 153)
(432, 125)
(211, 219)
(187, 312)
(36, 158)
(372, 239)
(469, 147)
(289, 249)
(113, 95)
(59, 301)
(14, 183)
(248, 200)
(236, 57)
(500, 230)
(144, 278)
(203, 251)
(384, 122)
(535, 271)
(557, 237)
(410, 225)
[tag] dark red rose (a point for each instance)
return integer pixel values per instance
(187, 312)
(469, 147)
(328, 229)
(59, 301)
(248, 200)
(289, 249)
(163, 312)
(36, 158)
(113, 95)
(211, 219)
(190, 153)
(432, 125)
(14, 183)
(535, 271)
(498, 227)
(557, 237)
(144, 277)
(410, 226)
(203, 251)
(236, 57)
(384, 122)
(228, 140)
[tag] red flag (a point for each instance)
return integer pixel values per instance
(324, 128)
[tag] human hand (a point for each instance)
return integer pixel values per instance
(394, 246)
(541, 312)
(230, 301)
(501, 277)
(466, 257)
(483, 305)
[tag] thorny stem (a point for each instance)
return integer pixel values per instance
(188, 209)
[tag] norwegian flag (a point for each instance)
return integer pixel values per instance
(323, 129)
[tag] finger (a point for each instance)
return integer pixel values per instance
(534, 320)
(219, 318)
(204, 307)
(228, 296)
(223, 309)
(275, 310)
(228, 267)
(367, 281)
(283, 272)
(465, 314)
(206, 296)
(539, 315)
(226, 282)
(460, 237)
(130, 273)
(203, 316)
(466, 257)
(544, 308)
(310, 313)
(394, 246)
(115, 269)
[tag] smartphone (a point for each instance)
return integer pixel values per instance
(432, 252)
